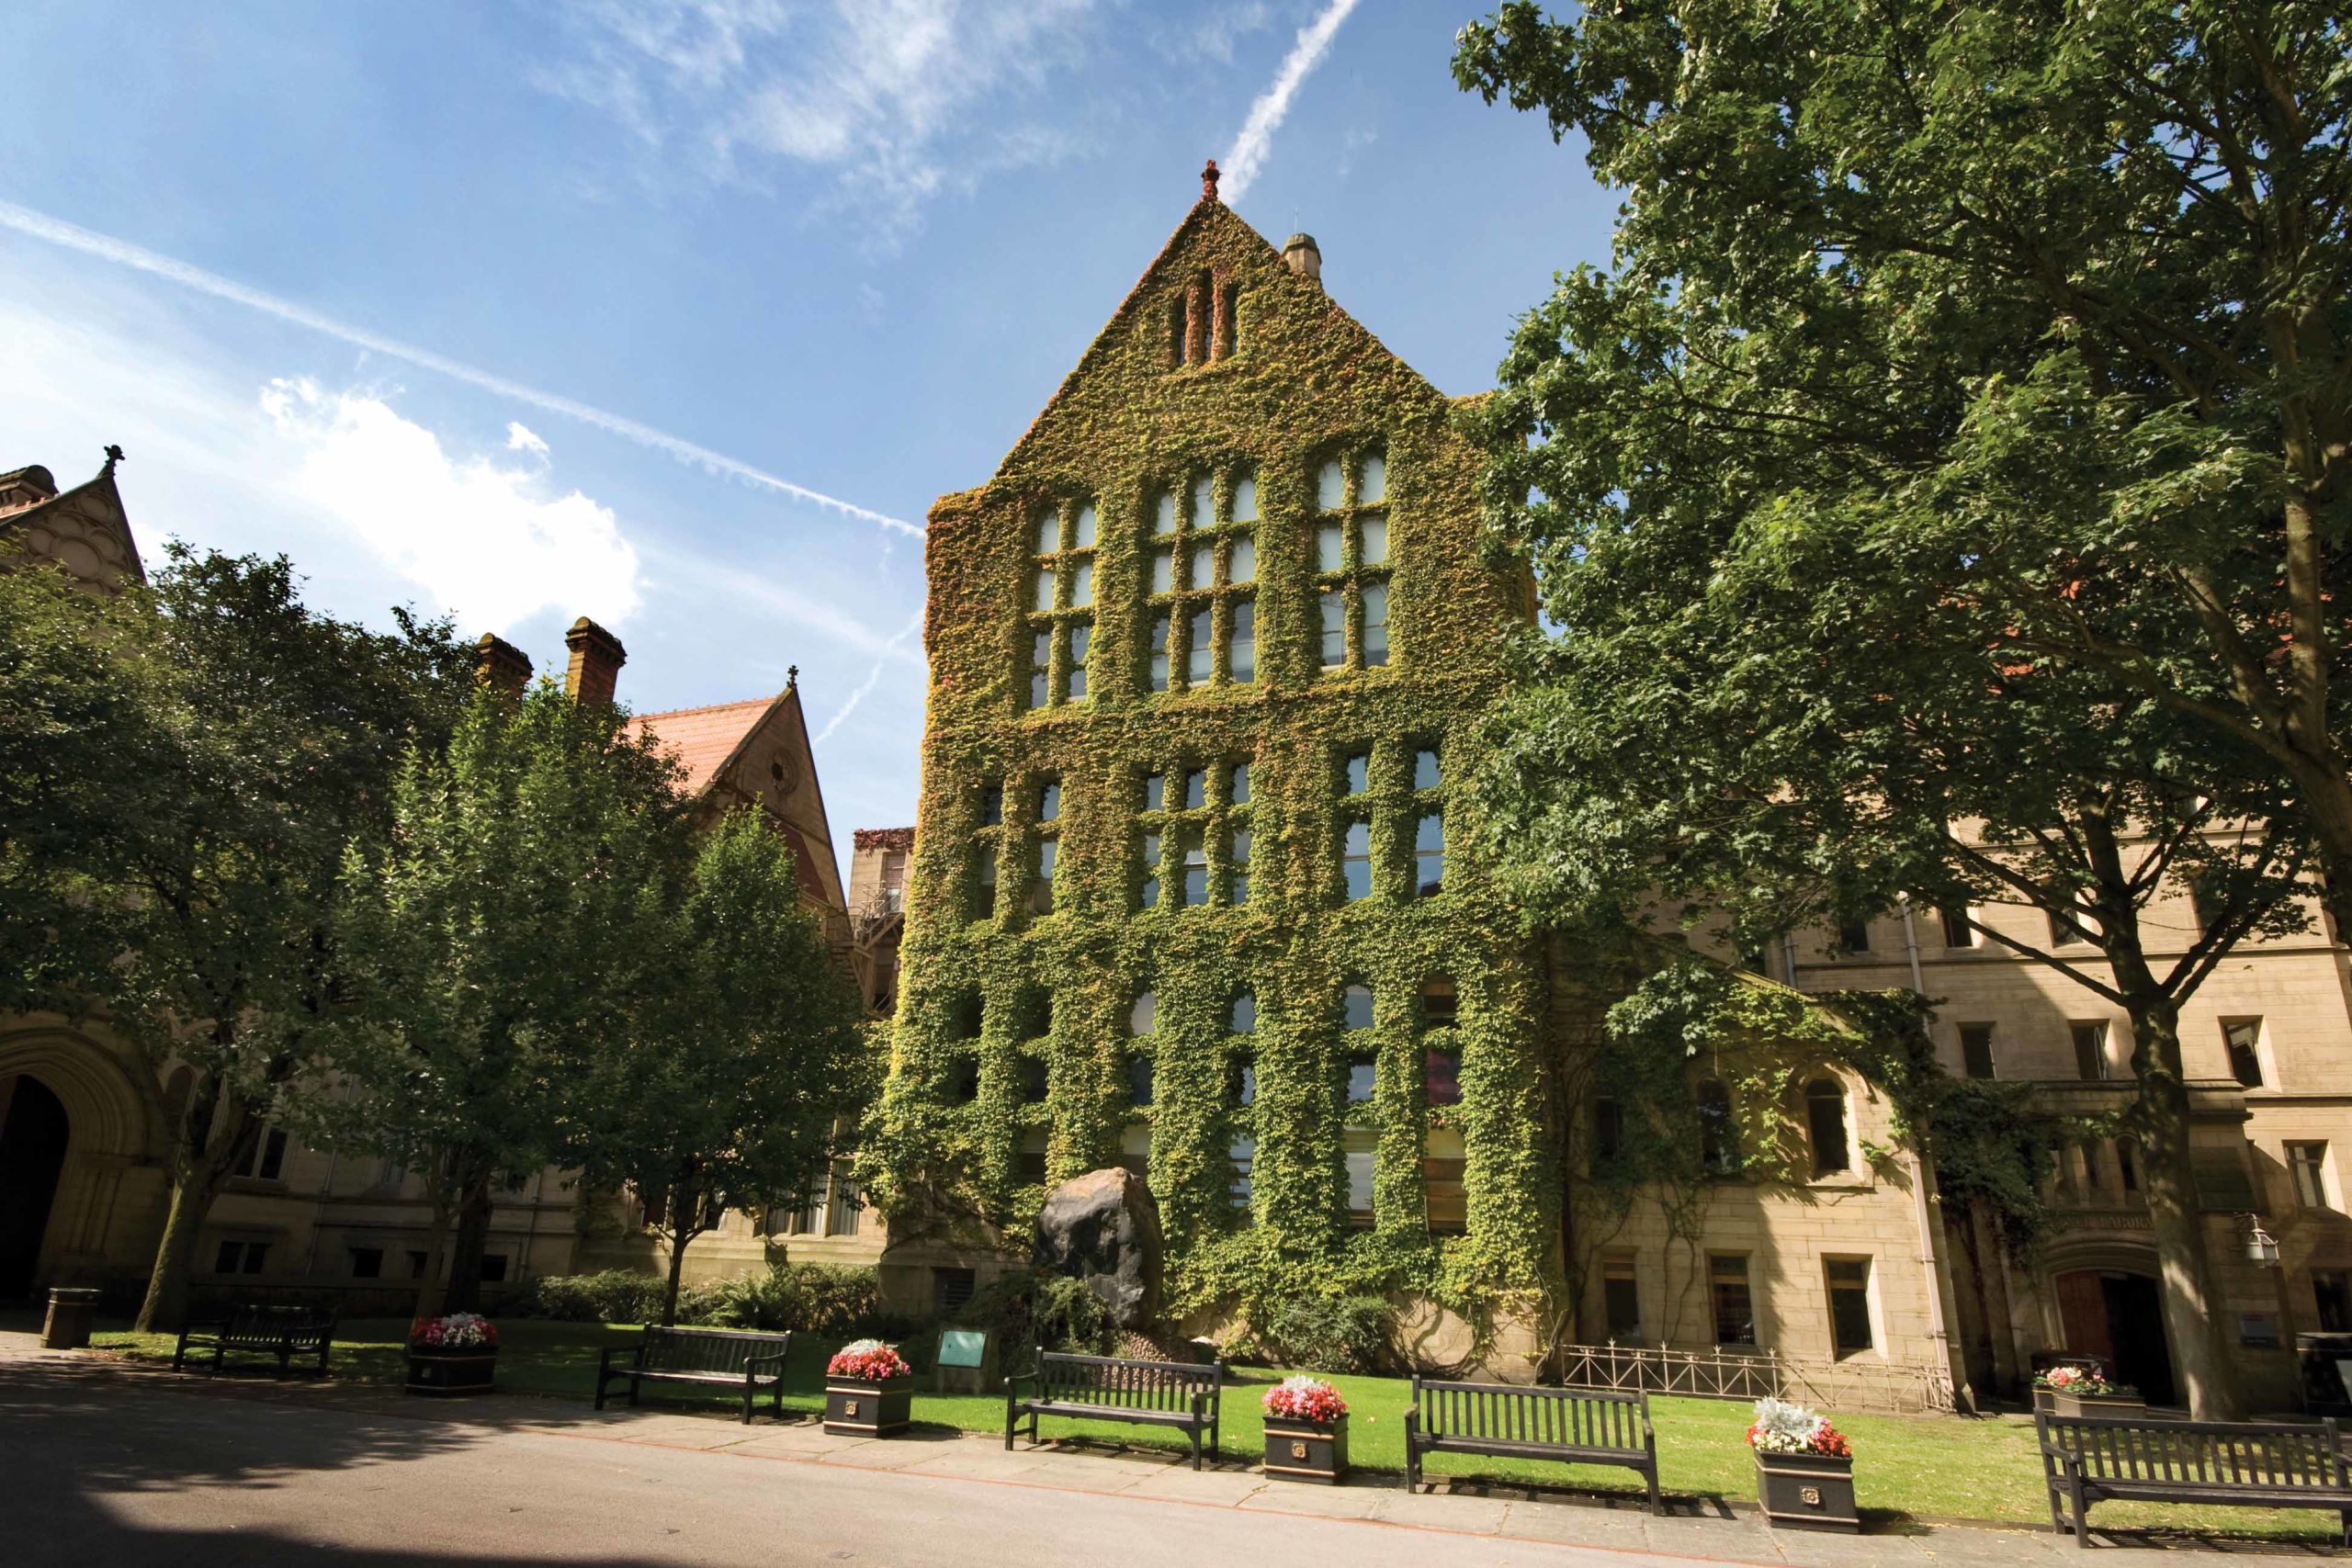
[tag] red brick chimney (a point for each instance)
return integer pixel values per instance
(596, 660)
(499, 663)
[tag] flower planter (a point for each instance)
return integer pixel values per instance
(448, 1375)
(1807, 1491)
(1307, 1450)
(2065, 1404)
(857, 1409)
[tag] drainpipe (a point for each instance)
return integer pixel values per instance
(1921, 1214)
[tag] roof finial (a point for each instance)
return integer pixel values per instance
(114, 456)
(791, 676)
(1208, 181)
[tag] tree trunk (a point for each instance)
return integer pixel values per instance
(679, 1236)
(2194, 1319)
(164, 1308)
(203, 1154)
(436, 1245)
(473, 1231)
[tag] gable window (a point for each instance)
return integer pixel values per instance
(1825, 1118)
(1061, 603)
(1203, 581)
(1351, 562)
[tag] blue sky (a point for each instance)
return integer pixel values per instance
(523, 310)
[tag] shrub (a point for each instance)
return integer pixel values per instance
(1052, 1312)
(809, 1298)
(616, 1295)
(1331, 1334)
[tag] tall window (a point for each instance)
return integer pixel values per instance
(1976, 1050)
(1202, 583)
(1358, 1138)
(1727, 1289)
(1825, 1120)
(1718, 1145)
(1440, 1047)
(1621, 1298)
(1241, 1097)
(2242, 1038)
(1443, 1159)
(266, 1158)
(1061, 604)
(1608, 1130)
(2332, 1299)
(1854, 936)
(1351, 562)
(1355, 859)
(2307, 1164)
(1049, 844)
(1193, 837)
(1849, 1304)
(1958, 932)
(2090, 1049)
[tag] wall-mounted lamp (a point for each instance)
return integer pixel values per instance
(2261, 1246)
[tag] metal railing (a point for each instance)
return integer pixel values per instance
(1747, 1375)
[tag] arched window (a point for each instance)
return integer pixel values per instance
(1825, 1120)
(1718, 1145)
(1357, 1007)
(1243, 1017)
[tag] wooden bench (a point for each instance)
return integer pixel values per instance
(734, 1359)
(1575, 1425)
(251, 1328)
(1184, 1394)
(2247, 1465)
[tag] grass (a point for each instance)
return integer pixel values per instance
(1930, 1467)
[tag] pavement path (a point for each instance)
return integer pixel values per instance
(104, 1462)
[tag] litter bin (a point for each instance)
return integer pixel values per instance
(71, 1307)
(2328, 1372)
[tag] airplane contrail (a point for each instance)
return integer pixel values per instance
(57, 232)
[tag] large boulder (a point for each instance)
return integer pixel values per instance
(1103, 1228)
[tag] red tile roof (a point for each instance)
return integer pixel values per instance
(703, 737)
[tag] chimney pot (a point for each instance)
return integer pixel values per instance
(596, 660)
(501, 665)
(1303, 256)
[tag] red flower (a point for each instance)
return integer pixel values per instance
(1305, 1399)
(869, 1363)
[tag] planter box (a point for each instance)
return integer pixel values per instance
(854, 1409)
(1807, 1491)
(2064, 1403)
(446, 1374)
(1307, 1450)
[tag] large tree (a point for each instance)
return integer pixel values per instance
(1939, 494)
(743, 1054)
(493, 943)
(181, 765)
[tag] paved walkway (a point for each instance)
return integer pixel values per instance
(105, 1461)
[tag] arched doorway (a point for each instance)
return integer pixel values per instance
(2117, 1314)
(33, 1135)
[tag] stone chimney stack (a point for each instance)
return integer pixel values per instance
(1302, 256)
(501, 665)
(596, 660)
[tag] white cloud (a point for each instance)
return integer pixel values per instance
(885, 95)
(1250, 149)
(479, 540)
(521, 437)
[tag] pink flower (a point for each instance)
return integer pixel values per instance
(868, 1361)
(1305, 1399)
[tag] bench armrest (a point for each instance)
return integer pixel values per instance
(1017, 1379)
(750, 1362)
(605, 1357)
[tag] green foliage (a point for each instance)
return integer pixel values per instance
(614, 1295)
(1025, 1309)
(1055, 989)
(827, 1302)
(1330, 1334)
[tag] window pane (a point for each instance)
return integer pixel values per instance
(1243, 1019)
(1163, 514)
(1196, 787)
(1330, 488)
(1376, 624)
(1149, 855)
(1357, 1147)
(1329, 548)
(1361, 1077)
(1202, 516)
(1356, 1006)
(984, 896)
(1359, 770)
(1735, 1316)
(1197, 668)
(991, 803)
(1355, 859)
(1155, 791)
(1850, 1306)
(1082, 584)
(1049, 532)
(1163, 571)
(1236, 784)
(1078, 641)
(1976, 1050)
(1824, 1110)
(1085, 539)
(1049, 800)
(1158, 654)
(1139, 1076)
(1375, 541)
(1245, 500)
(1041, 653)
(1203, 566)
(1196, 867)
(1429, 856)
(2091, 1051)
(1144, 1014)
(2245, 1060)
(1238, 859)
(1441, 1078)
(1041, 898)
(1241, 642)
(1425, 770)
(1243, 1154)
(1045, 595)
(1371, 482)
(1243, 566)
(1335, 630)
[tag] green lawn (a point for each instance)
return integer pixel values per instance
(1928, 1467)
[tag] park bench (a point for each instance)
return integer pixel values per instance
(733, 1358)
(1575, 1425)
(1183, 1395)
(2248, 1464)
(251, 1328)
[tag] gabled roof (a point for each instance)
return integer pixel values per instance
(86, 529)
(706, 741)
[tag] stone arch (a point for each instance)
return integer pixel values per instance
(103, 1217)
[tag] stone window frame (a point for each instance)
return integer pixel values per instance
(1391, 812)
(1354, 574)
(1041, 857)
(984, 875)
(1063, 628)
(1167, 642)
(1173, 826)
(1202, 320)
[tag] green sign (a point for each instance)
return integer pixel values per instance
(962, 1347)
